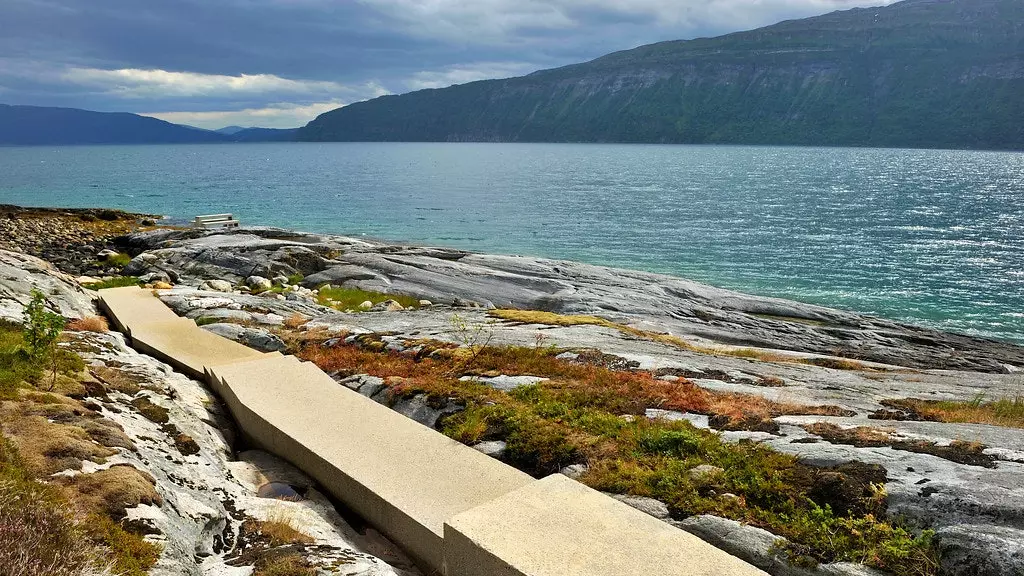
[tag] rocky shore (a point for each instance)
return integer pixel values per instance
(73, 239)
(264, 287)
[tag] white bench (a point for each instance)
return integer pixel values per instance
(215, 221)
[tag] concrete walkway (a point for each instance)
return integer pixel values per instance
(459, 512)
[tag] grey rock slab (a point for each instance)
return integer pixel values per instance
(649, 506)
(504, 382)
(493, 448)
(21, 273)
(418, 409)
(219, 315)
(755, 545)
(675, 305)
(697, 420)
(969, 550)
(338, 275)
(252, 337)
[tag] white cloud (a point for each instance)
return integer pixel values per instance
(498, 22)
(136, 83)
(281, 115)
(462, 73)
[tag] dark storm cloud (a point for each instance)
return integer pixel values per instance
(278, 61)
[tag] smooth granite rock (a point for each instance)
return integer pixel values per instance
(20, 274)
(656, 301)
(253, 337)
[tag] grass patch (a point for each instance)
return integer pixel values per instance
(284, 565)
(1008, 412)
(279, 528)
(344, 298)
(120, 260)
(40, 537)
(553, 319)
(115, 282)
(578, 417)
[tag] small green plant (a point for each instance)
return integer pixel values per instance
(41, 330)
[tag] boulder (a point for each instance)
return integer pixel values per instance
(252, 337)
(493, 448)
(339, 275)
(387, 306)
(650, 506)
(258, 283)
(217, 285)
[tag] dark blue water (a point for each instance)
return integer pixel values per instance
(934, 237)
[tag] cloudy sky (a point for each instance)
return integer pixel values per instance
(279, 63)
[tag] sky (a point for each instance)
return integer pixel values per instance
(280, 63)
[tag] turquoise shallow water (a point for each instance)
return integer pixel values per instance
(929, 236)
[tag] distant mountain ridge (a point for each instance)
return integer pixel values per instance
(37, 126)
(918, 73)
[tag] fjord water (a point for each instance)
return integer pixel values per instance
(934, 237)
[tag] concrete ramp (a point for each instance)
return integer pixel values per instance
(187, 347)
(557, 526)
(407, 478)
(459, 512)
(132, 306)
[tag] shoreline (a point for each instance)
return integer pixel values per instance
(570, 332)
(660, 302)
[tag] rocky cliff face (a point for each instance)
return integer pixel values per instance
(916, 73)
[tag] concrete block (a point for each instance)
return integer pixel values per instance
(187, 347)
(132, 306)
(402, 477)
(559, 527)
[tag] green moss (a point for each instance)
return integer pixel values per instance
(344, 298)
(116, 282)
(120, 260)
(295, 278)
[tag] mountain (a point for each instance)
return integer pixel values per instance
(229, 130)
(264, 135)
(34, 125)
(918, 73)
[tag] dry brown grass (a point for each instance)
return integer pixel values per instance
(294, 321)
(48, 447)
(281, 529)
(118, 379)
(284, 565)
(111, 491)
(620, 392)
(1008, 412)
(89, 324)
(959, 451)
(554, 319)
